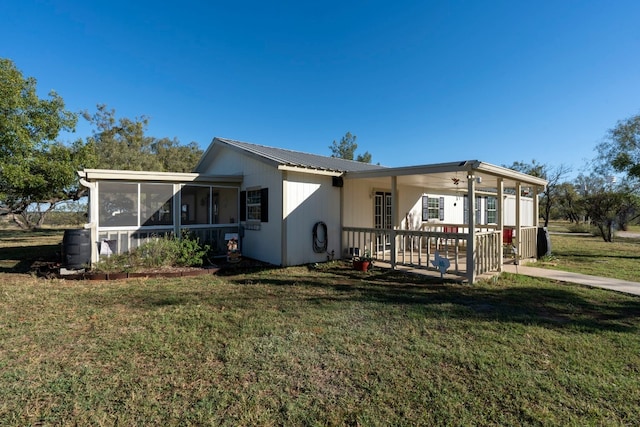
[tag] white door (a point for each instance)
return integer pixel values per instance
(382, 219)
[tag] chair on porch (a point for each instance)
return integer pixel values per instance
(508, 244)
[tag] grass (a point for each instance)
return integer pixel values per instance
(316, 346)
(591, 255)
(20, 250)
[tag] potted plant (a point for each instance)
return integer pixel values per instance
(363, 263)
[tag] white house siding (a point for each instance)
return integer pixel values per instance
(410, 208)
(526, 211)
(358, 203)
(412, 217)
(260, 240)
(310, 199)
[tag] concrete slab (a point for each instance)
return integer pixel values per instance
(582, 279)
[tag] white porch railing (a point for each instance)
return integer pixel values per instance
(528, 247)
(417, 248)
(488, 250)
(413, 248)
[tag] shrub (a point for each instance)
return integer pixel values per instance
(580, 228)
(162, 251)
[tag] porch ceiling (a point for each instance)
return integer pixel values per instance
(450, 177)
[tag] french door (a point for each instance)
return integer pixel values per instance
(382, 219)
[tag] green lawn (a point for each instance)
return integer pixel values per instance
(591, 255)
(310, 346)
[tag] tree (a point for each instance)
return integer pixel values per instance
(175, 157)
(570, 203)
(346, 149)
(621, 148)
(36, 172)
(553, 175)
(605, 209)
(26, 121)
(606, 204)
(122, 144)
(36, 186)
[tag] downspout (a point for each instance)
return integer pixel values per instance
(471, 238)
(93, 214)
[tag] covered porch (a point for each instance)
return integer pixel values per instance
(467, 217)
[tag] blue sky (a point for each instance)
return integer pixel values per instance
(418, 82)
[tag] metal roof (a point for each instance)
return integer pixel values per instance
(450, 176)
(299, 159)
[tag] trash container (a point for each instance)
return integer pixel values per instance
(76, 248)
(544, 242)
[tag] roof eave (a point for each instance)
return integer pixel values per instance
(300, 169)
(466, 165)
(179, 177)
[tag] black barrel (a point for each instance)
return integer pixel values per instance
(544, 242)
(76, 248)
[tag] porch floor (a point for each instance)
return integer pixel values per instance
(418, 263)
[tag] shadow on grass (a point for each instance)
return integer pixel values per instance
(515, 299)
(21, 251)
(25, 259)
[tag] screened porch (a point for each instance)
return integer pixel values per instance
(128, 208)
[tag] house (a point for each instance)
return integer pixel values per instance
(293, 208)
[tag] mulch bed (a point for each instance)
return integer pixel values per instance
(55, 271)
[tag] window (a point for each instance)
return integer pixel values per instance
(195, 204)
(254, 205)
(486, 205)
(432, 208)
(491, 210)
(476, 209)
(118, 204)
(156, 204)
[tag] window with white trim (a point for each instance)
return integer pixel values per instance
(432, 208)
(492, 215)
(254, 205)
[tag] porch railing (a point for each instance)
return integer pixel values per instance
(417, 248)
(488, 247)
(528, 247)
(414, 248)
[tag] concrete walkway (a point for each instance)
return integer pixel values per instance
(582, 279)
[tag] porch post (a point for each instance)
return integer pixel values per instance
(518, 222)
(284, 255)
(342, 246)
(394, 218)
(471, 220)
(536, 207)
(177, 206)
(500, 219)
